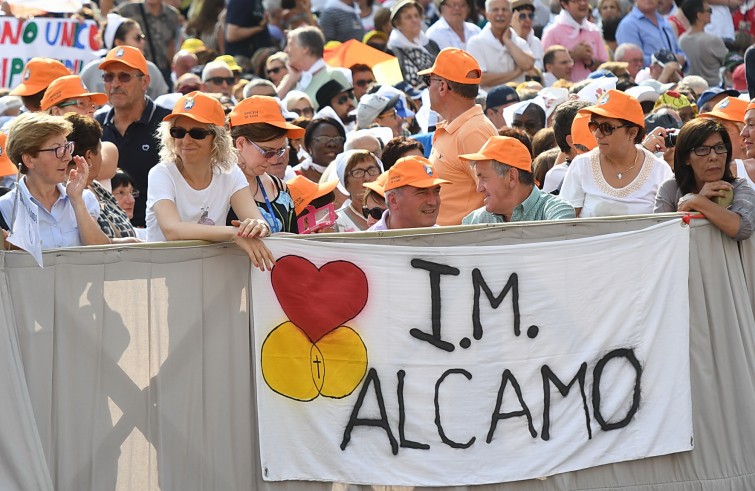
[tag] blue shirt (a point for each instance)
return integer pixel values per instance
(637, 29)
(57, 227)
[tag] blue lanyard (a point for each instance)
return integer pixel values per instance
(269, 206)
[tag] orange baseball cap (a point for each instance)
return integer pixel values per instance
(303, 191)
(378, 185)
(69, 87)
(456, 65)
(412, 171)
(129, 56)
(200, 107)
(7, 168)
(728, 109)
(581, 134)
(505, 150)
(38, 74)
(263, 109)
(751, 105)
(618, 105)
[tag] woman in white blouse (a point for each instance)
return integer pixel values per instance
(619, 177)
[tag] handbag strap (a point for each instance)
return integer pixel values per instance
(149, 35)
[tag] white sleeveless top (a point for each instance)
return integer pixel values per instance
(742, 172)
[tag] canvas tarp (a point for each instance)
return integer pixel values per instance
(130, 368)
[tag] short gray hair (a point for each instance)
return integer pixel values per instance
(309, 37)
(211, 66)
(621, 50)
(256, 83)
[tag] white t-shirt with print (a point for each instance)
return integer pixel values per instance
(208, 206)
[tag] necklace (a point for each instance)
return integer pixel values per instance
(357, 213)
(620, 175)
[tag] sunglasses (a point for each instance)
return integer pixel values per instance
(343, 99)
(195, 133)
(605, 128)
(526, 15)
(221, 80)
(123, 77)
(78, 103)
(61, 151)
(273, 71)
(364, 83)
(376, 212)
(307, 111)
(327, 140)
(140, 37)
(268, 154)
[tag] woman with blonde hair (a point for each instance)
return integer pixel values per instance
(197, 181)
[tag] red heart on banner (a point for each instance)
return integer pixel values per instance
(319, 299)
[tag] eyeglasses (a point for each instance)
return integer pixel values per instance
(195, 133)
(359, 173)
(704, 150)
(61, 151)
(428, 79)
(268, 154)
(307, 111)
(274, 70)
(526, 15)
(605, 128)
(327, 140)
(140, 37)
(376, 212)
(709, 10)
(364, 83)
(123, 77)
(221, 80)
(81, 104)
(343, 99)
(122, 194)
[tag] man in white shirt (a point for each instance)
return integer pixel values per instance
(503, 56)
(451, 30)
(558, 64)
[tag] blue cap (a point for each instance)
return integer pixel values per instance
(408, 89)
(601, 74)
(498, 96)
(713, 92)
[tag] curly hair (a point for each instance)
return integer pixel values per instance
(222, 156)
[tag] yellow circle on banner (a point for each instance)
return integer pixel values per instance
(345, 361)
(286, 362)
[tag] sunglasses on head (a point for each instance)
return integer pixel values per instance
(195, 133)
(376, 212)
(364, 83)
(220, 80)
(123, 77)
(605, 128)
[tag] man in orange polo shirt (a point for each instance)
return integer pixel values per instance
(453, 83)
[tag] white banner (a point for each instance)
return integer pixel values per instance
(471, 365)
(24, 226)
(73, 43)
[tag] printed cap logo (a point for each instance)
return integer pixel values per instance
(189, 104)
(27, 74)
(119, 53)
(1, 151)
(428, 170)
(145, 148)
(724, 103)
(604, 100)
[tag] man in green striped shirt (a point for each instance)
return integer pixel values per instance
(504, 177)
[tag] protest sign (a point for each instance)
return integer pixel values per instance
(72, 42)
(24, 226)
(471, 365)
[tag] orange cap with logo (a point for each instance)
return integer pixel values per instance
(263, 109)
(581, 134)
(303, 191)
(729, 109)
(413, 171)
(7, 168)
(69, 87)
(505, 150)
(129, 56)
(378, 185)
(456, 65)
(38, 74)
(751, 105)
(200, 107)
(618, 105)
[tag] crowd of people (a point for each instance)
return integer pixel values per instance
(229, 121)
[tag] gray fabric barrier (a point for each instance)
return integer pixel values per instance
(130, 368)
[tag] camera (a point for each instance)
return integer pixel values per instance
(670, 140)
